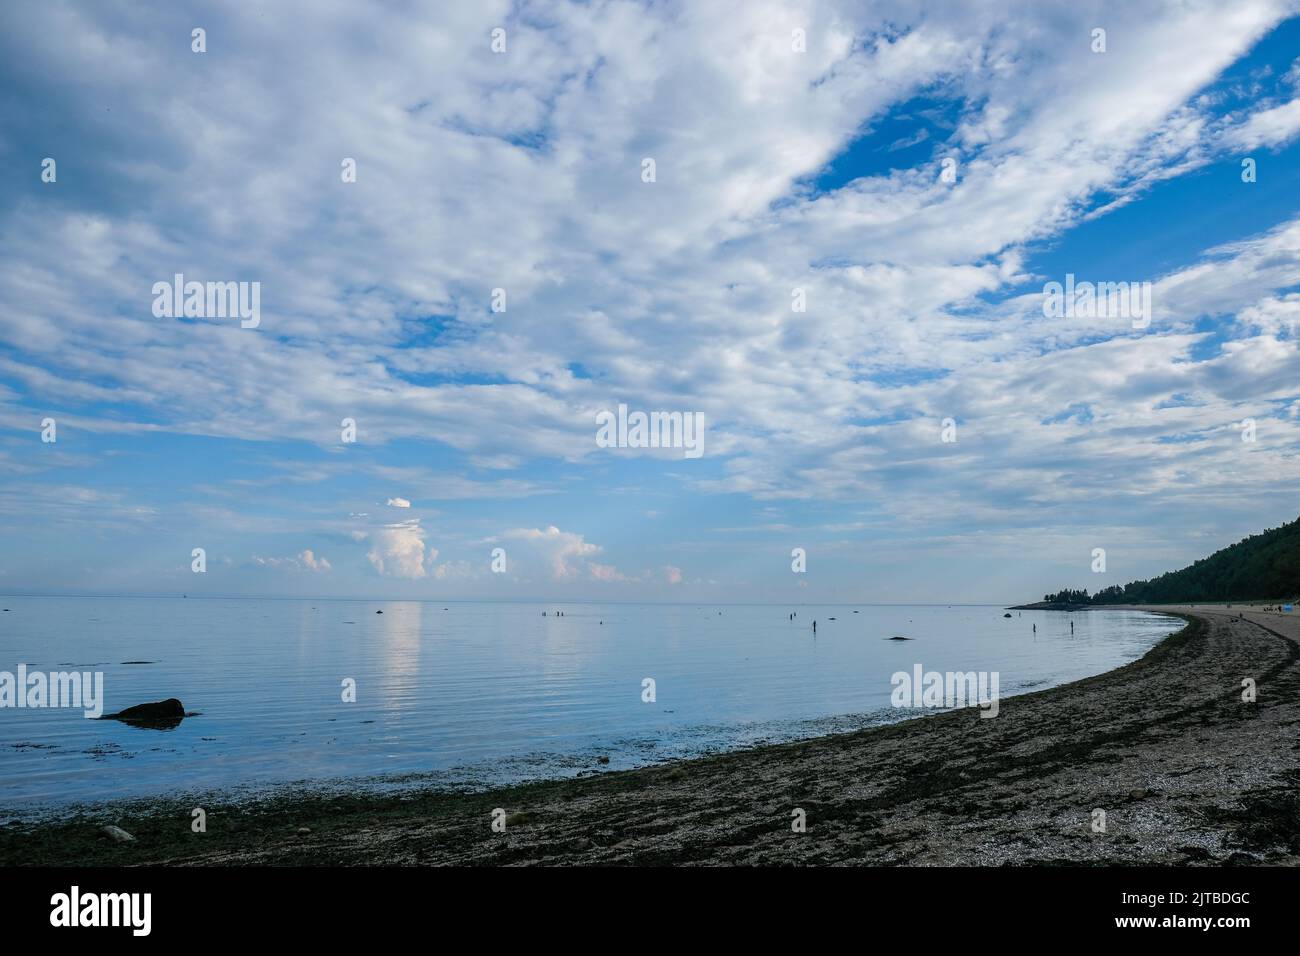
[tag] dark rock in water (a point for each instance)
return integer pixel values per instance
(602, 760)
(159, 715)
(1008, 614)
(898, 637)
(379, 612)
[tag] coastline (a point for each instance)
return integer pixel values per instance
(1186, 772)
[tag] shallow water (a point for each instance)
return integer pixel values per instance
(478, 693)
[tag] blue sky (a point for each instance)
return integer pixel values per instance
(776, 169)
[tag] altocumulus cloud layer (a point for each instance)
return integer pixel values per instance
(776, 169)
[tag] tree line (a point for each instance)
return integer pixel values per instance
(1262, 567)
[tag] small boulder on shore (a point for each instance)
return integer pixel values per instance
(117, 834)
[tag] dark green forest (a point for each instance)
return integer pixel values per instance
(1262, 567)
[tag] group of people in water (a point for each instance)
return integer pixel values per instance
(561, 614)
(793, 615)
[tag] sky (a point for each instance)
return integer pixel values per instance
(838, 258)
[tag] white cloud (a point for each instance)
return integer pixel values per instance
(564, 554)
(305, 561)
(1269, 127)
(605, 572)
(398, 550)
(449, 570)
(313, 563)
(398, 503)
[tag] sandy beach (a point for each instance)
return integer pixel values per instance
(1185, 771)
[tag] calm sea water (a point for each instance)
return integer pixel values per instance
(477, 694)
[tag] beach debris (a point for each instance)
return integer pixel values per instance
(117, 834)
(304, 831)
(159, 715)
